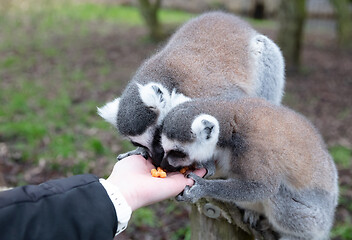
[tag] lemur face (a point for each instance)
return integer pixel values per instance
(198, 149)
(176, 153)
(139, 112)
(155, 102)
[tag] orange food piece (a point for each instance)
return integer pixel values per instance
(162, 174)
(159, 172)
(183, 170)
(154, 172)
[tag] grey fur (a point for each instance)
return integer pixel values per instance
(138, 151)
(269, 161)
(270, 65)
(132, 121)
(213, 55)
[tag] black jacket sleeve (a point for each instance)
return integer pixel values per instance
(77, 207)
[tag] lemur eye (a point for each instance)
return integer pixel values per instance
(137, 144)
(177, 154)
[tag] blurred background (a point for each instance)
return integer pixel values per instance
(60, 59)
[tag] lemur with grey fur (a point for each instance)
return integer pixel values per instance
(264, 158)
(213, 55)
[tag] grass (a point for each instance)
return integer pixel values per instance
(342, 231)
(145, 217)
(182, 233)
(123, 14)
(262, 23)
(342, 156)
(51, 12)
(345, 198)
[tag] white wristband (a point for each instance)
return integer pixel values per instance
(123, 210)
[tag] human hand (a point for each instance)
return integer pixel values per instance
(132, 176)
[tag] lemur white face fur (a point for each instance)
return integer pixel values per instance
(109, 111)
(155, 97)
(201, 148)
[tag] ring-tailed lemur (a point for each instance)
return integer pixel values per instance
(265, 158)
(215, 54)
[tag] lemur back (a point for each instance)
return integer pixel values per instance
(216, 54)
(211, 50)
(281, 140)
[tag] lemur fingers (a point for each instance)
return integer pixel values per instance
(194, 193)
(138, 151)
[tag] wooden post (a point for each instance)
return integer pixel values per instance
(214, 220)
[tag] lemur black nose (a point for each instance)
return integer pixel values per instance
(157, 150)
(158, 159)
(157, 155)
(166, 166)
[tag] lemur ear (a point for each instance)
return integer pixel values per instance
(159, 94)
(109, 111)
(154, 95)
(208, 128)
(205, 127)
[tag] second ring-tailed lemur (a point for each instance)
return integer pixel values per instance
(215, 54)
(264, 158)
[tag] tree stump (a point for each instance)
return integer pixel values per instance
(215, 220)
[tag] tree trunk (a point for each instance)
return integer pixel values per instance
(214, 220)
(343, 22)
(149, 12)
(292, 15)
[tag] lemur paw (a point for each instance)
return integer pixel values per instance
(138, 151)
(209, 166)
(194, 193)
(195, 178)
(256, 221)
(251, 218)
(185, 196)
